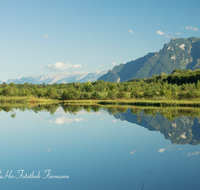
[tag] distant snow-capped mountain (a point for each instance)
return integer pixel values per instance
(1, 82)
(65, 77)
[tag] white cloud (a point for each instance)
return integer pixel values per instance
(46, 36)
(195, 29)
(113, 63)
(167, 36)
(114, 121)
(133, 152)
(64, 119)
(191, 28)
(78, 119)
(101, 65)
(160, 32)
(193, 153)
(77, 65)
(178, 33)
(161, 150)
(181, 28)
(131, 31)
(62, 66)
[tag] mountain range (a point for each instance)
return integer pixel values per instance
(179, 53)
(65, 77)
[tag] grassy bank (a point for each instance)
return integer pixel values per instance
(130, 102)
(140, 102)
(30, 99)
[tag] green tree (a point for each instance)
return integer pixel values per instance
(96, 95)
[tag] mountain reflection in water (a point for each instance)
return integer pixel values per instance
(180, 130)
(180, 126)
(153, 149)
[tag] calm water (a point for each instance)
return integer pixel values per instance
(99, 148)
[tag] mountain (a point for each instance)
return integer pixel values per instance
(179, 53)
(65, 77)
(1, 82)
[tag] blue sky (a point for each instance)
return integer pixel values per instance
(45, 36)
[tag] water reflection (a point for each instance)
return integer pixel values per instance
(101, 147)
(64, 119)
(180, 126)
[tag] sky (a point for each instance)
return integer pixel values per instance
(51, 36)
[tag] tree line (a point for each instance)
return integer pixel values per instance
(178, 85)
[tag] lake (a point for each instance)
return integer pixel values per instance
(70, 147)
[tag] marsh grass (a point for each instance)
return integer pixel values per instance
(140, 102)
(130, 102)
(30, 99)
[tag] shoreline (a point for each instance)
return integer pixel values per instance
(16, 99)
(139, 102)
(117, 102)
